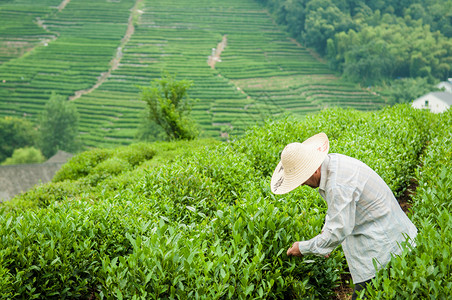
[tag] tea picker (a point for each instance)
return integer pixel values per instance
(363, 215)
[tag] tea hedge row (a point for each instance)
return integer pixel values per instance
(202, 225)
(400, 132)
(185, 206)
(425, 271)
(19, 31)
(74, 56)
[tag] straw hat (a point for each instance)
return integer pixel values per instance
(299, 161)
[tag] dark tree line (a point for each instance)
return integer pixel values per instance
(374, 41)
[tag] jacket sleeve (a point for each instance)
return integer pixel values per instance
(339, 222)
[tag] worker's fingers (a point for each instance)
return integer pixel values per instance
(294, 250)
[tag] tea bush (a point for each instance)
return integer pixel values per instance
(43, 195)
(5, 283)
(389, 140)
(142, 223)
(425, 271)
(201, 260)
(81, 165)
(49, 253)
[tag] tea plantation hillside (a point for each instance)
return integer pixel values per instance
(197, 220)
(95, 53)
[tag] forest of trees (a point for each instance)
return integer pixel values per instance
(374, 41)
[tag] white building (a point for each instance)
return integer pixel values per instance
(446, 85)
(437, 102)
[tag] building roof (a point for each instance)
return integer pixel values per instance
(16, 179)
(447, 85)
(60, 157)
(443, 96)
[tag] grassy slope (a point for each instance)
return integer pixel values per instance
(262, 71)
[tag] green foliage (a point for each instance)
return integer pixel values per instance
(425, 271)
(377, 53)
(349, 131)
(43, 195)
(196, 219)
(111, 161)
(323, 20)
(148, 130)
(58, 126)
(6, 283)
(82, 164)
(101, 173)
(28, 155)
(406, 90)
(373, 41)
(169, 107)
(433, 174)
(56, 258)
(136, 154)
(262, 72)
(15, 133)
(111, 166)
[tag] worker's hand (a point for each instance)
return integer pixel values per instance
(294, 250)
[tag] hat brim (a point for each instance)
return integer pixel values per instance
(307, 158)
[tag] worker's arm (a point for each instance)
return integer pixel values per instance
(339, 223)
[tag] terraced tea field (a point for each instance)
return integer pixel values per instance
(97, 52)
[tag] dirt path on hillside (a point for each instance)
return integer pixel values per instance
(216, 52)
(114, 63)
(63, 5)
(43, 41)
